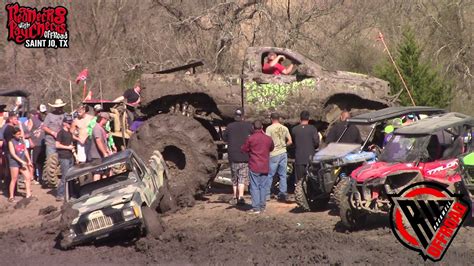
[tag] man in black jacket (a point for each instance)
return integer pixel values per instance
(235, 136)
(306, 139)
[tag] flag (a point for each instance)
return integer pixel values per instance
(82, 75)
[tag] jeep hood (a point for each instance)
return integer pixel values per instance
(380, 170)
(106, 199)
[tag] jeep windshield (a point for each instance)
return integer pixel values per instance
(402, 148)
(110, 177)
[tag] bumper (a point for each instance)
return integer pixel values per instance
(83, 238)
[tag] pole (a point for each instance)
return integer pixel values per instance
(100, 92)
(381, 38)
(70, 95)
(84, 90)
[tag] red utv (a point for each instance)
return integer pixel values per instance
(426, 150)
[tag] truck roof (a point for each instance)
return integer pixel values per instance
(82, 169)
(14, 93)
(393, 112)
(436, 123)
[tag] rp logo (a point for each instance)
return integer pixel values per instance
(425, 217)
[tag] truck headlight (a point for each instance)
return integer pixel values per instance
(130, 213)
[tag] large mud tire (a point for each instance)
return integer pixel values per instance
(188, 149)
(52, 170)
(165, 202)
(303, 197)
(351, 219)
(340, 191)
(152, 223)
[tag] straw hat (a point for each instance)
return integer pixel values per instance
(57, 103)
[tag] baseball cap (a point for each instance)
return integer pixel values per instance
(42, 108)
(98, 107)
(411, 116)
(67, 119)
(239, 112)
(104, 115)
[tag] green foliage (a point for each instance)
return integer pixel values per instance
(425, 83)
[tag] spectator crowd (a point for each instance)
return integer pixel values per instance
(28, 140)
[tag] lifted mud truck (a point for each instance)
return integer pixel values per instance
(426, 150)
(127, 198)
(329, 170)
(185, 112)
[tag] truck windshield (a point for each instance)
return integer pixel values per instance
(109, 175)
(401, 148)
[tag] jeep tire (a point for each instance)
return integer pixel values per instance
(151, 223)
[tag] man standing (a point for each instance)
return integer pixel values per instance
(306, 140)
(99, 141)
(79, 130)
(35, 127)
(52, 124)
(352, 134)
(278, 157)
(258, 146)
(64, 148)
(131, 96)
(235, 135)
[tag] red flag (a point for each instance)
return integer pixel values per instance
(82, 75)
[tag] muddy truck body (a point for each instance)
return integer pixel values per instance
(185, 112)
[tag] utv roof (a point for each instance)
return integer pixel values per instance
(393, 112)
(14, 93)
(436, 123)
(83, 169)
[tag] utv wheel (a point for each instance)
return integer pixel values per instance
(351, 218)
(152, 223)
(188, 149)
(303, 197)
(52, 170)
(340, 191)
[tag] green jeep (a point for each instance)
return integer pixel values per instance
(126, 196)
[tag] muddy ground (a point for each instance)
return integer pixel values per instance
(213, 232)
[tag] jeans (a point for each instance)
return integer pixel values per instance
(258, 189)
(65, 165)
(50, 149)
(300, 172)
(278, 165)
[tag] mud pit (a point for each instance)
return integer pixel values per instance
(213, 232)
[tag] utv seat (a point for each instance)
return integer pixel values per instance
(434, 148)
(455, 149)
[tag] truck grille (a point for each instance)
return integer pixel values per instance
(100, 222)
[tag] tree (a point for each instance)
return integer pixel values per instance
(425, 83)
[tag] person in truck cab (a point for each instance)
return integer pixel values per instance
(273, 66)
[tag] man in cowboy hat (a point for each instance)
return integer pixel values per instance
(52, 125)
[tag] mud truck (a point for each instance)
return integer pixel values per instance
(329, 169)
(126, 199)
(185, 112)
(426, 150)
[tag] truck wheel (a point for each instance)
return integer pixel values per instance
(151, 222)
(340, 191)
(52, 170)
(303, 197)
(188, 149)
(351, 218)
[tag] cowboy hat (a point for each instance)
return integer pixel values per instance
(57, 103)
